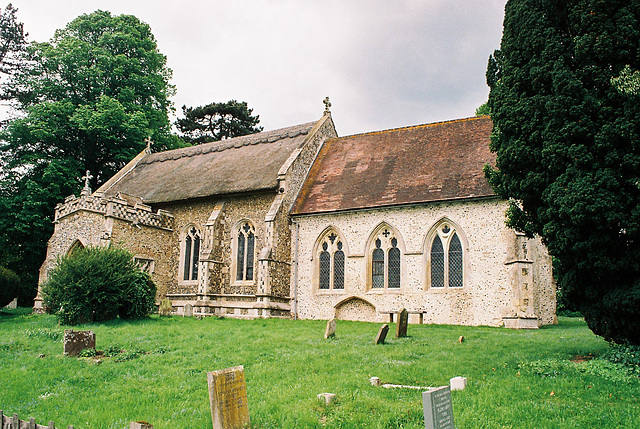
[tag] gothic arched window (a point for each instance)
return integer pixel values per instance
(191, 254)
(386, 261)
(446, 258)
(245, 252)
(331, 260)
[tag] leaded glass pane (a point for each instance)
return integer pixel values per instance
(338, 270)
(325, 269)
(455, 262)
(394, 267)
(250, 245)
(377, 268)
(195, 258)
(240, 257)
(187, 257)
(437, 263)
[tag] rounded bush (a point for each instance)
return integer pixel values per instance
(98, 284)
(9, 286)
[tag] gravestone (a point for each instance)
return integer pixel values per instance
(228, 398)
(140, 425)
(165, 308)
(330, 331)
(401, 326)
(438, 408)
(76, 341)
(188, 310)
(382, 334)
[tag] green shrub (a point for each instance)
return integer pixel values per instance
(9, 286)
(98, 284)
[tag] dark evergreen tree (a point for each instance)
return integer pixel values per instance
(88, 98)
(567, 138)
(217, 121)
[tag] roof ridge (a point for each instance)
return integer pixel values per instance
(234, 142)
(411, 127)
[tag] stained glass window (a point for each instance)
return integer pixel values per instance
(250, 246)
(437, 263)
(338, 268)
(455, 262)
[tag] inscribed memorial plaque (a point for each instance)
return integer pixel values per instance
(438, 408)
(228, 398)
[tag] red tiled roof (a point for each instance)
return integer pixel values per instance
(419, 164)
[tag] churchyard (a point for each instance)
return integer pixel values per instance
(156, 370)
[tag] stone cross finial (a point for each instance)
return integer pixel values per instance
(148, 141)
(327, 104)
(87, 189)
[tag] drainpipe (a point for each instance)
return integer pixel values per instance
(295, 271)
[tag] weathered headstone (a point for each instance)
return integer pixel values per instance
(382, 334)
(438, 408)
(188, 310)
(330, 330)
(228, 398)
(401, 326)
(76, 341)
(165, 308)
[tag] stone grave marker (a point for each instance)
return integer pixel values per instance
(382, 334)
(330, 331)
(438, 408)
(188, 310)
(140, 425)
(76, 341)
(165, 308)
(228, 398)
(401, 326)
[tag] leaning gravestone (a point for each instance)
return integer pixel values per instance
(403, 320)
(382, 334)
(76, 341)
(228, 398)
(330, 330)
(438, 408)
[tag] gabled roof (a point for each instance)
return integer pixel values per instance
(425, 163)
(240, 164)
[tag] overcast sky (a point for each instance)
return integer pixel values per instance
(383, 63)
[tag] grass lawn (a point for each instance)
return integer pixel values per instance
(516, 379)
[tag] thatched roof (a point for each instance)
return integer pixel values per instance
(241, 164)
(424, 163)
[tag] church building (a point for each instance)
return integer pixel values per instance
(299, 222)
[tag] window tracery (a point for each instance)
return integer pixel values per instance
(446, 258)
(190, 254)
(331, 263)
(245, 252)
(386, 261)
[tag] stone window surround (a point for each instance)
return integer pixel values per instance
(385, 233)
(446, 240)
(332, 248)
(234, 254)
(183, 236)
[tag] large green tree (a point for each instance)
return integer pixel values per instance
(567, 138)
(88, 99)
(12, 41)
(217, 121)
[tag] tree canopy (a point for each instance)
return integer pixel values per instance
(88, 99)
(12, 40)
(217, 121)
(567, 138)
